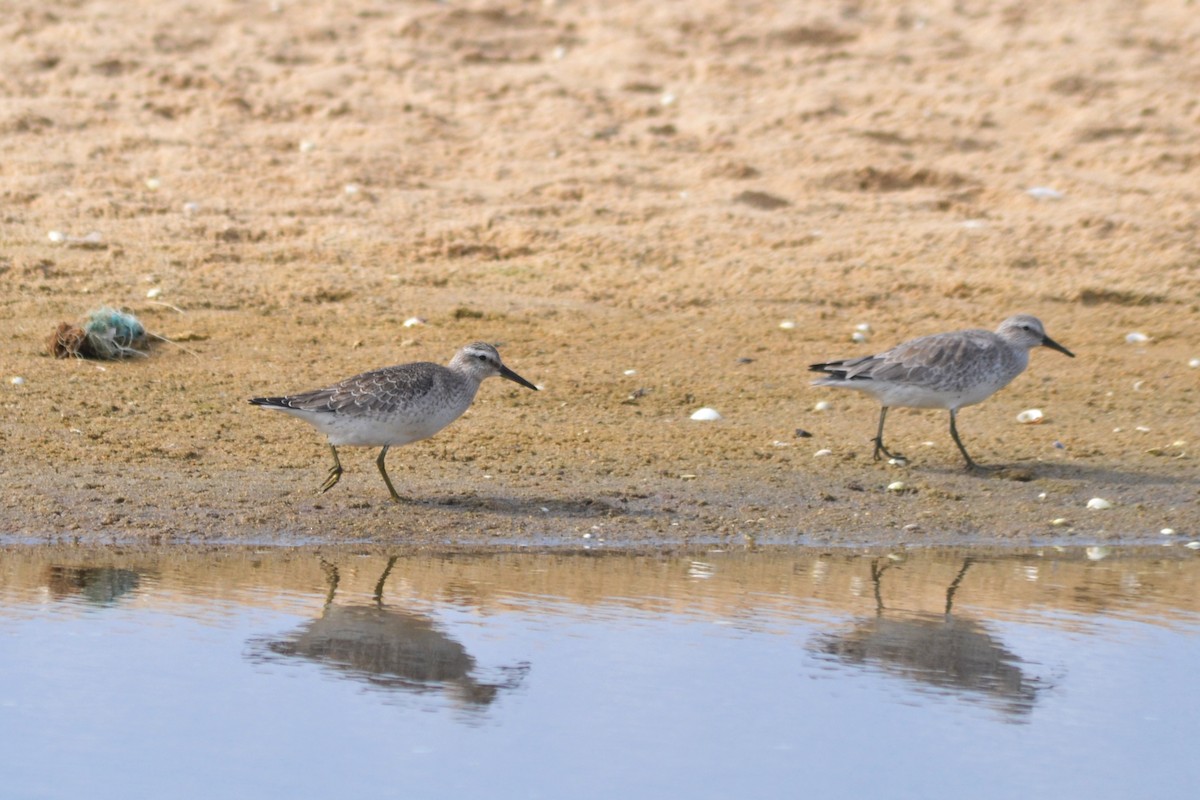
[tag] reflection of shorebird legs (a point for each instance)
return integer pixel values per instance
(334, 578)
(877, 575)
(953, 587)
(383, 579)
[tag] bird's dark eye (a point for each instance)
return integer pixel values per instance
(481, 356)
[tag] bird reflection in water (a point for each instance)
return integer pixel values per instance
(387, 649)
(948, 653)
(101, 586)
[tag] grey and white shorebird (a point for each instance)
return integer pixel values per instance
(394, 406)
(945, 370)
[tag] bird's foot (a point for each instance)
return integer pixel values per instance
(880, 449)
(335, 475)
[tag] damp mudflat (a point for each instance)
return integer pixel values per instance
(311, 673)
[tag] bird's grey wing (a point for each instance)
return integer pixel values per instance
(379, 390)
(936, 358)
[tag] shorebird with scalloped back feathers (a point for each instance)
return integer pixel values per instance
(395, 405)
(945, 370)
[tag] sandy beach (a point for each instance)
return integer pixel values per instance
(650, 208)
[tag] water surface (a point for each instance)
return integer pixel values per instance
(305, 673)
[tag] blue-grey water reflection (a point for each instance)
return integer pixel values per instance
(239, 673)
(386, 648)
(949, 652)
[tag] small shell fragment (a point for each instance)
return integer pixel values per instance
(1194, 363)
(823, 453)
(1136, 337)
(859, 337)
(57, 236)
(1044, 193)
(897, 486)
(153, 293)
(1031, 416)
(706, 414)
(1098, 504)
(1097, 553)
(1059, 522)
(822, 406)
(1192, 545)
(413, 322)
(17, 380)
(1167, 531)
(787, 325)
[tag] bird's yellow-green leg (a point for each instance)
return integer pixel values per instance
(383, 472)
(879, 448)
(971, 463)
(335, 472)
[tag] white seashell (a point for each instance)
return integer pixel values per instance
(191, 208)
(859, 337)
(1098, 503)
(863, 326)
(787, 325)
(706, 414)
(57, 236)
(351, 188)
(413, 322)
(1194, 363)
(559, 53)
(1167, 531)
(822, 406)
(153, 293)
(1192, 545)
(1060, 521)
(307, 146)
(823, 453)
(1044, 193)
(896, 486)
(17, 380)
(1136, 337)
(1032, 416)
(153, 183)
(1096, 553)
(668, 98)
(630, 372)
(974, 224)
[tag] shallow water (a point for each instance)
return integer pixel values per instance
(304, 673)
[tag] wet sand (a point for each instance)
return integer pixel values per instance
(630, 200)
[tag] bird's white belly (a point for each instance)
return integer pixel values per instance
(376, 430)
(901, 395)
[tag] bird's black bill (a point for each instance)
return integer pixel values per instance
(505, 372)
(1053, 345)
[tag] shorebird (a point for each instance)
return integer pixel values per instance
(945, 370)
(394, 405)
